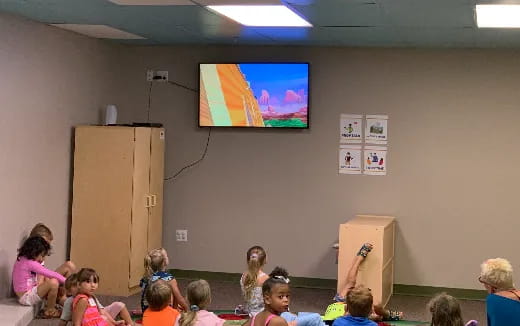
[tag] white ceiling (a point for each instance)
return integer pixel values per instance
(381, 23)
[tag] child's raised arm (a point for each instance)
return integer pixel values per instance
(38, 269)
(179, 299)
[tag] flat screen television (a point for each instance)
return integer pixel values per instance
(254, 95)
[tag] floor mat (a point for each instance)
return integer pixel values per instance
(393, 323)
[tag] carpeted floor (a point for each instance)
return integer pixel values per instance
(227, 295)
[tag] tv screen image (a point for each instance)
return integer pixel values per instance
(254, 95)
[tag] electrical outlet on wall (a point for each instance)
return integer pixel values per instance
(181, 235)
(160, 75)
(149, 75)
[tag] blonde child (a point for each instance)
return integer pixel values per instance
(155, 264)
(276, 296)
(109, 313)
(446, 311)
(199, 297)
(252, 280)
(25, 270)
(159, 296)
(353, 272)
(337, 309)
(359, 306)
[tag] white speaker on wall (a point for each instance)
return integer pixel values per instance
(110, 115)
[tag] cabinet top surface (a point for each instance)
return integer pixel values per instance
(113, 127)
(371, 220)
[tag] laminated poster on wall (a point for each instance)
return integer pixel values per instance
(375, 160)
(376, 129)
(350, 129)
(350, 160)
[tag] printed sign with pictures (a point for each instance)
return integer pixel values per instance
(376, 130)
(375, 161)
(350, 128)
(350, 159)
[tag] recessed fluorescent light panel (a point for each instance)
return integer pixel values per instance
(273, 16)
(498, 16)
(99, 31)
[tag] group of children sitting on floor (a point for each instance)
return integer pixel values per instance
(267, 297)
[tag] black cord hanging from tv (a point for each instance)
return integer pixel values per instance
(207, 141)
(193, 163)
(183, 86)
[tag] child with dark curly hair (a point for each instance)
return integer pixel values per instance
(25, 271)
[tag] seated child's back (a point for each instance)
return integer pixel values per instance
(359, 305)
(199, 297)
(26, 270)
(155, 265)
(446, 311)
(252, 280)
(159, 296)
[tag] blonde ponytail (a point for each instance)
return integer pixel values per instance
(198, 294)
(255, 261)
(188, 318)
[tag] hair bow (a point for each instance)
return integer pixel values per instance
(194, 307)
(285, 279)
(253, 256)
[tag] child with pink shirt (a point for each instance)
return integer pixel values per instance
(199, 297)
(25, 271)
(67, 268)
(85, 308)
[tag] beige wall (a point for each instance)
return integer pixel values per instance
(453, 164)
(50, 80)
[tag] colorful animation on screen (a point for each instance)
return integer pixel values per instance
(254, 95)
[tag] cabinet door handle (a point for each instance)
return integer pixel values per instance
(148, 201)
(154, 200)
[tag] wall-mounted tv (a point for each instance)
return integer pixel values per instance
(254, 95)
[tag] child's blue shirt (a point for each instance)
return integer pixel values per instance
(145, 282)
(353, 321)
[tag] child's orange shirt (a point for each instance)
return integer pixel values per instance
(165, 317)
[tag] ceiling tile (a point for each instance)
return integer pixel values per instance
(98, 31)
(425, 13)
(58, 11)
(226, 30)
(366, 36)
(341, 14)
(444, 37)
(497, 38)
(238, 2)
(388, 23)
(284, 33)
(153, 2)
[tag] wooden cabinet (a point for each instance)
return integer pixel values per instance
(377, 271)
(117, 202)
